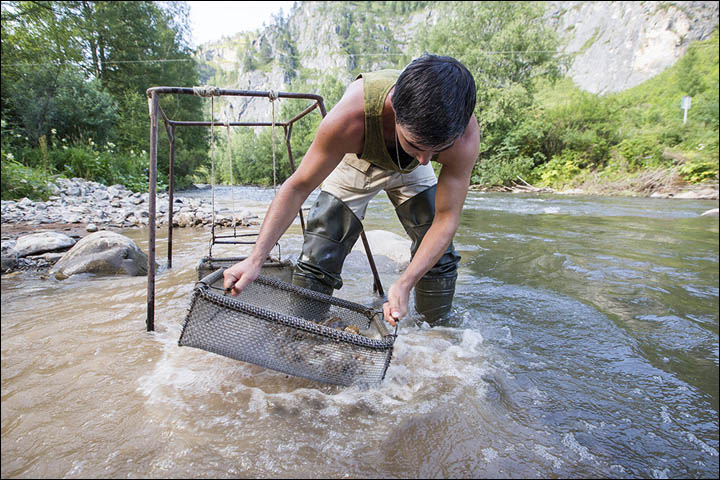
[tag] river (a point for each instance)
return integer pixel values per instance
(584, 344)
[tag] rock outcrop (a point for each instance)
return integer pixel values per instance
(615, 45)
(618, 45)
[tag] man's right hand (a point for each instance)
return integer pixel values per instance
(240, 275)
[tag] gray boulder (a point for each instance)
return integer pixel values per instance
(8, 263)
(36, 243)
(390, 251)
(8, 256)
(102, 253)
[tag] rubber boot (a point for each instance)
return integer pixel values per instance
(311, 283)
(330, 233)
(434, 297)
(435, 290)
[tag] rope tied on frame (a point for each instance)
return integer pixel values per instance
(212, 165)
(230, 162)
(206, 91)
(273, 95)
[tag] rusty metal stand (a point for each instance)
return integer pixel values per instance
(153, 95)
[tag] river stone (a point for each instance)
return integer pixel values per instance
(102, 253)
(36, 243)
(703, 193)
(8, 263)
(185, 219)
(388, 244)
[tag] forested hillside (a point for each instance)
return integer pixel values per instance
(538, 124)
(74, 76)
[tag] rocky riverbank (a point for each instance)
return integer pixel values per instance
(81, 202)
(637, 188)
(78, 207)
(653, 183)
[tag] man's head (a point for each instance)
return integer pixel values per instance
(434, 99)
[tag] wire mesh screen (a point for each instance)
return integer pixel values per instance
(273, 267)
(290, 329)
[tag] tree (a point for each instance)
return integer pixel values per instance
(38, 47)
(506, 47)
(83, 67)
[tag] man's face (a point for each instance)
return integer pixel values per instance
(416, 148)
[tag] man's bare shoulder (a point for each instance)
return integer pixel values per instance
(346, 120)
(350, 108)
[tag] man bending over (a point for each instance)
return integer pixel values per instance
(382, 135)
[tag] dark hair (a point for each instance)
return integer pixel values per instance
(434, 99)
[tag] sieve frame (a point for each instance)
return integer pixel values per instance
(273, 265)
(204, 290)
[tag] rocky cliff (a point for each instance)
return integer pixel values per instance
(615, 45)
(618, 45)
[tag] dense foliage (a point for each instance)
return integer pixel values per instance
(536, 126)
(580, 137)
(75, 73)
(507, 46)
(74, 76)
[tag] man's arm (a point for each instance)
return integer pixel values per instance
(452, 187)
(336, 136)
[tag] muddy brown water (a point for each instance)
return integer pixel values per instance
(584, 343)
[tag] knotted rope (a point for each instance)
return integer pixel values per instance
(272, 95)
(230, 162)
(206, 91)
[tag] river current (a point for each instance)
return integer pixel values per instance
(584, 343)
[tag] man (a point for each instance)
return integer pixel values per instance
(382, 134)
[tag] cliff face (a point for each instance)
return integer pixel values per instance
(616, 45)
(619, 45)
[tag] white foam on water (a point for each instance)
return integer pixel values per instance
(426, 364)
(490, 454)
(77, 468)
(258, 403)
(542, 452)
(422, 356)
(170, 371)
(551, 210)
(703, 446)
(666, 418)
(665, 473)
(571, 442)
(184, 372)
(330, 411)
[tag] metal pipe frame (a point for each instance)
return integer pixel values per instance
(153, 95)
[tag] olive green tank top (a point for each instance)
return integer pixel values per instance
(376, 86)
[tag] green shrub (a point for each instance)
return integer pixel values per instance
(104, 165)
(695, 171)
(24, 171)
(641, 151)
(502, 171)
(560, 170)
(19, 181)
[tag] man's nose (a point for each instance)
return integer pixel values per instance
(424, 158)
